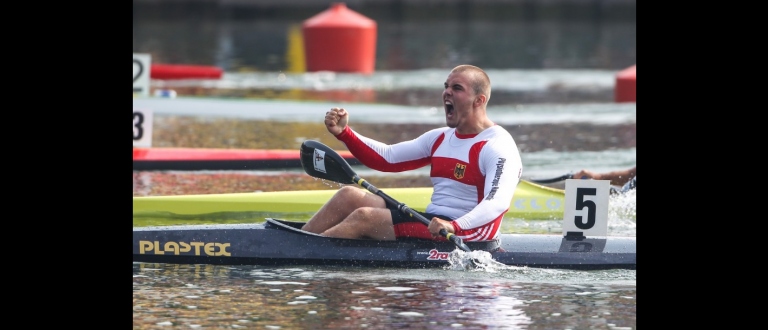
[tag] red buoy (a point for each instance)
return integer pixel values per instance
(626, 85)
(340, 39)
(176, 71)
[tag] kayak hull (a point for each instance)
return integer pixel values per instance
(280, 242)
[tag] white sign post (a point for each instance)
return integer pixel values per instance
(141, 66)
(142, 128)
(586, 207)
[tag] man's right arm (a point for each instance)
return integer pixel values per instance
(399, 157)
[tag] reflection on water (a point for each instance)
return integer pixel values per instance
(339, 297)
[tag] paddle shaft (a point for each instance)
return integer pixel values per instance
(407, 210)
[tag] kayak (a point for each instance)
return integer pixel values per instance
(282, 242)
(531, 201)
(195, 159)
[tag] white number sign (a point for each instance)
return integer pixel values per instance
(586, 207)
(142, 128)
(141, 66)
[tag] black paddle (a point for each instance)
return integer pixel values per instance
(320, 161)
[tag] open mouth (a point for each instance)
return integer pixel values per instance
(448, 108)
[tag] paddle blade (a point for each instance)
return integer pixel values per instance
(320, 161)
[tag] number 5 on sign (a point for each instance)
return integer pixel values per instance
(586, 207)
(142, 128)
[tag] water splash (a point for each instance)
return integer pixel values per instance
(622, 214)
(329, 183)
(477, 261)
(623, 206)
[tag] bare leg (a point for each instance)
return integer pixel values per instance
(365, 222)
(342, 204)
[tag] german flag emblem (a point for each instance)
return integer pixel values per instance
(458, 171)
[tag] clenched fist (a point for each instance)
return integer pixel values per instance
(336, 120)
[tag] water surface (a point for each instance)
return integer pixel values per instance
(337, 297)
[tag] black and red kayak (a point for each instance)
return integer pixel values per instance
(195, 159)
(282, 242)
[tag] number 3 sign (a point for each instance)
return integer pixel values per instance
(142, 128)
(586, 207)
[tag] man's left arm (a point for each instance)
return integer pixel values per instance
(502, 169)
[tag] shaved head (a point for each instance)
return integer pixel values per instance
(481, 84)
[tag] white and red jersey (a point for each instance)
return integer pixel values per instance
(474, 176)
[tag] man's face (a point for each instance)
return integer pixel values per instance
(457, 99)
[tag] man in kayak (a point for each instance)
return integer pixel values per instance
(626, 178)
(475, 168)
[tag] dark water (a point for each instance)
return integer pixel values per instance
(255, 297)
(411, 35)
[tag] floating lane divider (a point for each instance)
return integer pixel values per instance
(196, 159)
(177, 71)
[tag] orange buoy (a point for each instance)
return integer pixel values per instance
(175, 71)
(341, 40)
(626, 85)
